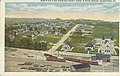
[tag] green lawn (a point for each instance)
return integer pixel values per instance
(48, 39)
(93, 52)
(54, 36)
(79, 50)
(75, 40)
(99, 31)
(75, 49)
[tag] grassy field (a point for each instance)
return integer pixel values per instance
(98, 32)
(79, 50)
(75, 40)
(107, 31)
(48, 39)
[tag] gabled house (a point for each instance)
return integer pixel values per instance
(67, 47)
(56, 32)
(89, 46)
(42, 41)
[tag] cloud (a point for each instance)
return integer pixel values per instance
(53, 8)
(103, 9)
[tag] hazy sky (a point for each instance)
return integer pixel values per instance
(101, 11)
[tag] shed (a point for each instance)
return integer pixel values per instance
(80, 68)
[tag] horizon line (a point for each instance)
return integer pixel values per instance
(68, 19)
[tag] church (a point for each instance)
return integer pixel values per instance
(107, 46)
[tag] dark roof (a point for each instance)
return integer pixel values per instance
(93, 57)
(89, 45)
(112, 38)
(79, 66)
(106, 55)
(106, 41)
(100, 56)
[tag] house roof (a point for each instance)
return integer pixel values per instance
(106, 41)
(100, 56)
(79, 66)
(42, 41)
(106, 55)
(89, 45)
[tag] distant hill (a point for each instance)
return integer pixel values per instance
(27, 19)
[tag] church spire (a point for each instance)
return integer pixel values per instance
(103, 38)
(112, 38)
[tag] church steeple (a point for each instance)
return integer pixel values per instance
(112, 38)
(103, 38)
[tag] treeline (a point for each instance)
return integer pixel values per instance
(25, 42)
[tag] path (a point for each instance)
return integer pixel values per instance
(63, 39)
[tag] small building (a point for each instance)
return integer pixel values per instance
(89, 46)
(42, 41)
(78, 32)
(32, 36)
(101, 58)
(80, 68)
(66, 47)
(57, 32)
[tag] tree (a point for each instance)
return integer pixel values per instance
(40, 46)
(26, 42)
(18, 42)
(37, 46)
(35, 29)
(44, 46)
(63, 30)
(31, 29)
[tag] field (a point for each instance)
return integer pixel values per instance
(99, 30)
(107, 31)
(48, 39)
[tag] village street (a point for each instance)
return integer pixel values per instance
(51, 51)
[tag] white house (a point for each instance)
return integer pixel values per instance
(32, 36)
(66, 47)
(89, 46)
(107, 46)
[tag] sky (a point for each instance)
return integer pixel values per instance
(73, 10)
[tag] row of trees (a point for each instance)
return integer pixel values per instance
(25, 42)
